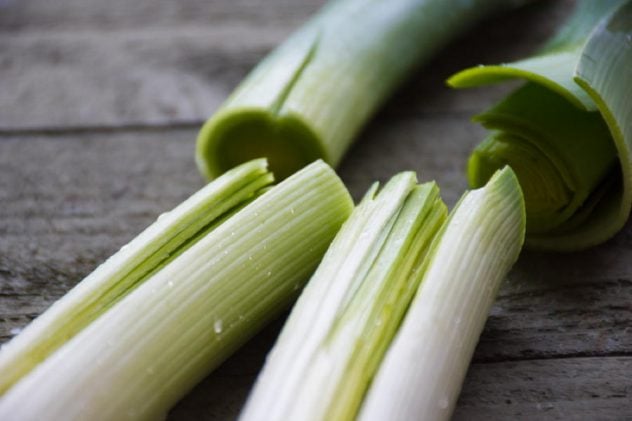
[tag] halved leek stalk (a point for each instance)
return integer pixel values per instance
(310, 97)
(563, 130)
(155, 343)
(345, 318)
(160, 243)
(423, 369)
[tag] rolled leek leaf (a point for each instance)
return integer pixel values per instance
(152, 343)
(422, 372)
(568, 132)
(335, 337)
(310, 97)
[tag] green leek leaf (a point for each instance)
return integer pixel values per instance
(568, 132)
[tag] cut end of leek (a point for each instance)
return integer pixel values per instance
(547, 195)
(561, 155)
(229, 139)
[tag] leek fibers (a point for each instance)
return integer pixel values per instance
(158, 316)
(310, 97)
(423, 370)
(568, 131)
(345, 319)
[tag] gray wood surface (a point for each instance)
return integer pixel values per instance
(99, 107)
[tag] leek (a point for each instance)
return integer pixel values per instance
(145, 346)
(310, 97)
(395, 248)
(132, 265)
(423, 370)
(345, 318)
(568, 132)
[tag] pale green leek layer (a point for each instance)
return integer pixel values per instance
(422, 372)
(345, 318)
(159, 244)
(568, 132)
(152, 345)
(311, 96)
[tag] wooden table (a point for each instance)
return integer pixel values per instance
(100, 103)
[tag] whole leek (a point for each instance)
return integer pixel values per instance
(568, 132)
(311, 96)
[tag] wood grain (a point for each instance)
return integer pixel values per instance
(69, 203)
(95, 15)
(551, 389)
(88, 64)
(555, 389)
(99, 108)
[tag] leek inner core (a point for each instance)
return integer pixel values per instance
(285, 141)
(562, 155)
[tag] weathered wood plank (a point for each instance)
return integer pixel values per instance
(124, 64)
(68, 204)
(70, 201)
(94, 14)
(558, 389)
(122, 78)
(555, 389)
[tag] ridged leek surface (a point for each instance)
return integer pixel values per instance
(355, 317)
(311, 96)
(345, 318)
(568, 132)
(160, 243)
(127, 343)
(423, 370)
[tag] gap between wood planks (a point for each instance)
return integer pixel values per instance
(56, 131)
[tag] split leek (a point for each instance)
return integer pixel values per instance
(311, 96)
(345, 318)
(159, 244)
(423, 370)
(568, 132)
(152, 344)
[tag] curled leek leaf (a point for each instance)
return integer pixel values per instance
(310, 97)
(568, 132)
